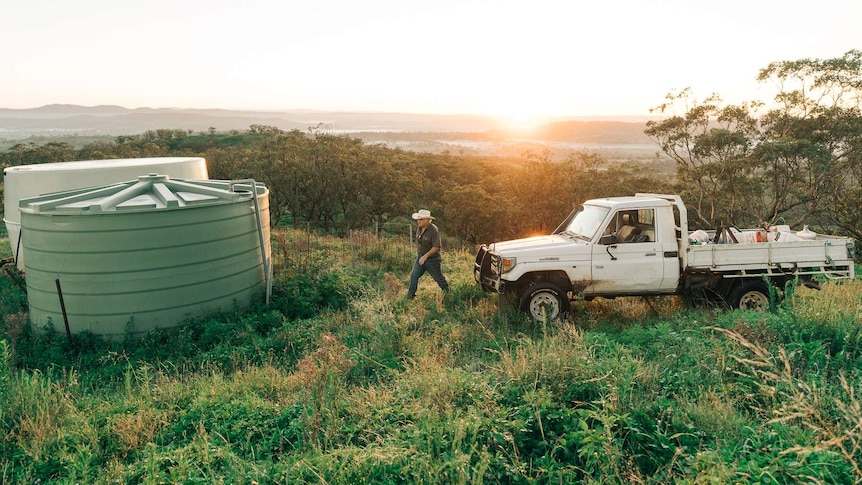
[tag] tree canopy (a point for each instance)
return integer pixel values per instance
(794, 160)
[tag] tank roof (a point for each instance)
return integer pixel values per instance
(147, 193)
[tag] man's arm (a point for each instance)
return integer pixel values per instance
(431, 252)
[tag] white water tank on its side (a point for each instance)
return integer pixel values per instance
(25, 181)
(144, 254)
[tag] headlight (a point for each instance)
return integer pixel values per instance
(506, 264)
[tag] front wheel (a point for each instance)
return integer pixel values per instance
(545, 302)
(750, 295)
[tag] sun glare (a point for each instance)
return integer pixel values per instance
(517, 115)
(521, 121)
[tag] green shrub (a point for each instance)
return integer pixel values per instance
(304, 295)
(13, 298)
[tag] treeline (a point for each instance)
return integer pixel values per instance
(337, 183)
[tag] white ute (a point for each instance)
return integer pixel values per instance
(641, 246)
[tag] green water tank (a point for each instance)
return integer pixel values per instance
(144, 254)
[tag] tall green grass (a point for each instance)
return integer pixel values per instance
(342, 380)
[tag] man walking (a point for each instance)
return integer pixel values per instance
(429, 258)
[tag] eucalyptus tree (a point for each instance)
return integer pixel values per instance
(813, 140)
(97, 150)
(472, 213)
(32, 153)
(278, 160)
(374, 182)
(536, 194)
(794, 160)
(711, 145)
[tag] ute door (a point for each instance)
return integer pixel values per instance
(628, 260)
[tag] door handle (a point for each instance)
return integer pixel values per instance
(649, 254)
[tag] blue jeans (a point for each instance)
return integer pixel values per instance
(432, 266)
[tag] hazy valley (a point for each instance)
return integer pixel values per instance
(616, 139)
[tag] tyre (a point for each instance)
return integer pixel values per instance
(750, 295)
(545, 302)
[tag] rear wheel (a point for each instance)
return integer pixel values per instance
(750, 295)
(545, 302)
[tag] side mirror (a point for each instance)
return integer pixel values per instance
(608, 239)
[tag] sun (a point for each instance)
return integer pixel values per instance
(519, 118)
(522, 123)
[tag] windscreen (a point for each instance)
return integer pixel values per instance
(586, 221)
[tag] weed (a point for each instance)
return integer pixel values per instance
(322, 373)
(136, 428)
(833, 414)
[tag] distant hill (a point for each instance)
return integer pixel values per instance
(116, 120)
(603, 132)
(110, 120)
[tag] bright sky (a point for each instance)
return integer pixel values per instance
(504, 57)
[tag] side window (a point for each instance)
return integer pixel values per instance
(646, 217)
(646, 223)
(627, 227)
(636, 226)
(631, 226)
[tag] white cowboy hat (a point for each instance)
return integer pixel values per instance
(422, 214)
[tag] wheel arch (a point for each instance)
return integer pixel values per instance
(740, 295)
(558, 278)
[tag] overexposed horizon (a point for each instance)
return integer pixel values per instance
(519, 61)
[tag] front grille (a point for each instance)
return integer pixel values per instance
(495, 264)
(486, 269)
(482, 266)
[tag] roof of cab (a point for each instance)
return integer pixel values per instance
(629, 202)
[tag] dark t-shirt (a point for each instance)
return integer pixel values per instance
(428, 239)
